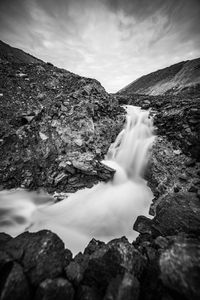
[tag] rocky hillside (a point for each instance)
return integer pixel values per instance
(178, 78)
(55, 126)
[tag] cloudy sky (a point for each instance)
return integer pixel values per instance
(114, 41)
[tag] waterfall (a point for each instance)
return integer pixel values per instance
(106, 211)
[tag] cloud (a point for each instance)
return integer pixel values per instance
(112, 41)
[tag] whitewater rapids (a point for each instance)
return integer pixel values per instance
(106, 211)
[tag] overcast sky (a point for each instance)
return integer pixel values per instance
(114, 41)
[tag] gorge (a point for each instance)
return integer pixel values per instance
(61, 138)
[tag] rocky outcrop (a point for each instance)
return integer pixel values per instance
(55, 126)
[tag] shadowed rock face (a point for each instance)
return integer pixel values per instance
(55, 126)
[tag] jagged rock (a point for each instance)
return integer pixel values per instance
(55, 289)
(41, 254)
(13, 283)
(93, 246)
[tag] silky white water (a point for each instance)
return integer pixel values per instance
(106, 211)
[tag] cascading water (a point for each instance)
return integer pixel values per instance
(104, 212)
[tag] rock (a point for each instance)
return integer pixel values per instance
(123, 287)
(41, 254)
(161, 242)
(43, 136)
(177, 213)
(55, 289)
(60, 177)
(143, 225)
(117, 257)
(180, 267)
(68, 257)
(192, 189)
(87, 293)
(93, 246)
(14, 285)
(190, 163)
(74, 273)
(183, 177)
(4, 238)
(177, 189)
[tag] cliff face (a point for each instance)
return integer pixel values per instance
(55, 126)
(183, 77)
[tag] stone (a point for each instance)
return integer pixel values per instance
(55, 289)
(74, 272)
(190, 163)
(85, 292)
(123, 287)
(60, 177)
(115, 258)
(41, 254)
(4, 238)
(68, 257)
(14, 285)
(177, 213)
(193, 189)
(143, 225)
(43, 136)
(93, 246)
(180, 267)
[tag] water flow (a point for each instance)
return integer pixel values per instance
(106, 211)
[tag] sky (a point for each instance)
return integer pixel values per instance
(113, 41)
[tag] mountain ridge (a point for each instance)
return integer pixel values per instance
(180, 77)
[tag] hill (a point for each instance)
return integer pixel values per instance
(178, 78)
(55, 126)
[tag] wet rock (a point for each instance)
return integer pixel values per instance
(55, 289)
(180, 267)
(13, 283)
(41, 254)
(123, 287)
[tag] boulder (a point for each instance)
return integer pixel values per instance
(42, 255)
